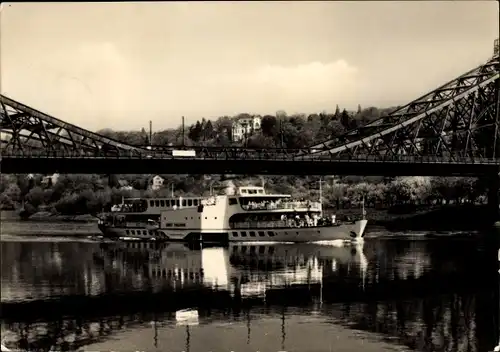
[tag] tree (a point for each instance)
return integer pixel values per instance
(281, 114)
(208, 130)
(13, 192)
(359, 109)
(113, 181)
(195, 131)
(411, 189)
(261, 141)
(35, 197)
(313, 118)
(337, 112)
(334, 128)
(344, 119)
(269, 126)
(224, 128)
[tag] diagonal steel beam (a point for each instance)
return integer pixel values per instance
(56, 122)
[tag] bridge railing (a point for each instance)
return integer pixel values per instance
(244, 154)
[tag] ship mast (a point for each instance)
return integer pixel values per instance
(363, 207)
(321, 195)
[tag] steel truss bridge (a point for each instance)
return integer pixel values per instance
(453, 130)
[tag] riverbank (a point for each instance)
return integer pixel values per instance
(43, 216)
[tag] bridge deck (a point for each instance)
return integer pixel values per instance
(246, 162)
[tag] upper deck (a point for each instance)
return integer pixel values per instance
(255, 198)
(154, 205)
(248, 198)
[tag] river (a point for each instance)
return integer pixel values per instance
(63, 291)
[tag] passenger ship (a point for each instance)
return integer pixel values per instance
(249, 215)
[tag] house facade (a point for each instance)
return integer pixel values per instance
(245, 127)
(48, 181)
(157, 182)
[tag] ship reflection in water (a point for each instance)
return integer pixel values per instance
(384, 295)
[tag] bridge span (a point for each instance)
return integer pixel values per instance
(452, 130)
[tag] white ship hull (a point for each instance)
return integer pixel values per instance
(346, 231)
(254, 217)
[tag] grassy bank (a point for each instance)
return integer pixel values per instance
(43, 216)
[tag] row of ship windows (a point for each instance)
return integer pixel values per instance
(185, 202)
(253, 234)
(253, 249)
(139, 232)
(235, 234)
(175, 225)
(260, 233)
(215, 217)
(172, 202)
(171, 273)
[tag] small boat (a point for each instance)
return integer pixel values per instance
(250, 214)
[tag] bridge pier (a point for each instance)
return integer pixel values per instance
(494, 197)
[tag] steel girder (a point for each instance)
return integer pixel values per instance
(457, 120)
(24, 129)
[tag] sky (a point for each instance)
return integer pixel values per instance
(120, 65)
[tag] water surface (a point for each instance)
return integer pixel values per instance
(394, 294)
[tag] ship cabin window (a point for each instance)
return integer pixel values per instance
(135, 205)
(235, 234)
(177, 203)
(243, 234)
(260, 191)
(162, 203)
(190, 202)
(233, 201)
(270, 233)
(195, 202)
(157, 203)
(252, 191)
(244, 191)
(252, 234)
(167, 203)
(151, 203)
(262, 234)
(183, 202)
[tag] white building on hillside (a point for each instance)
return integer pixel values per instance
(245, 127)
(50, 180)
(156, 182)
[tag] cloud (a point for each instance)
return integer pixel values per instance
(303, 88)
(88, 84)
(95, 86)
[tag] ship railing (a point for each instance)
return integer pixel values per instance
(264, 224)
(259, 224)
(209, 201)
(284, 205)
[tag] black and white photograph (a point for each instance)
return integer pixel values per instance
(250, 176)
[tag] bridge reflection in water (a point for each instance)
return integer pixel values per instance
(414, 293)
